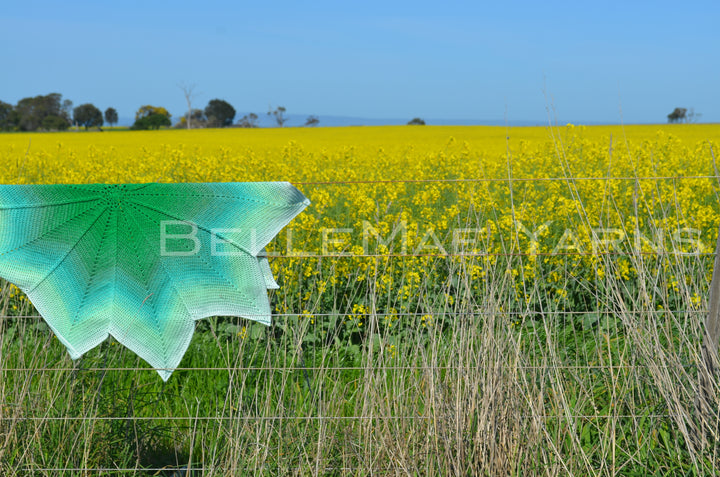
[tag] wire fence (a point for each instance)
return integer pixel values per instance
(512, 357)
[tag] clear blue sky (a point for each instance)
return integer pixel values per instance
(390, 59)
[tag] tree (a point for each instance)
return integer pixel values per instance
(219, 113)
(111, 116)
(678, 115)
(196, 118)
(88, 115)
(154, 121)
(8, 117)
(416, 122)
(279, 115)
(151, 117)
(66, 108)
(32, 113)
(189, 96)
(248, 121)
(54, 123)
(312, 121)
(692, 116)
(148, 110)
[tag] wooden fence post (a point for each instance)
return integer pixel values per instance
(708, 369)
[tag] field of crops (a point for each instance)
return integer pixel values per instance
(456, 300)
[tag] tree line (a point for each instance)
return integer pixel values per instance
(53, 113)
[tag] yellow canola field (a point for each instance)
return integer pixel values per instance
(420, 192)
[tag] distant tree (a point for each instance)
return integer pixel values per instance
(196, 118)
(312, 121)
(416, 122)
(8, 117)
(148, 110)
(32, 112)
(219, 113)
(54, 123)
(248, 121)
(678, 115)
(66, 108)
(692, 116)
(111, 116)
(279, 115)
(88, 115)
(189, 96)
(151, 117)
(154, 121)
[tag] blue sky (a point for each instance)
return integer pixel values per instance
(586, 61)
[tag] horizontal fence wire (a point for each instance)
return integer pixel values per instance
(490, 254)
(321, 418)
(506, 179)
(188, 471)
(448, 313)
(571, 367)
(184, 470)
